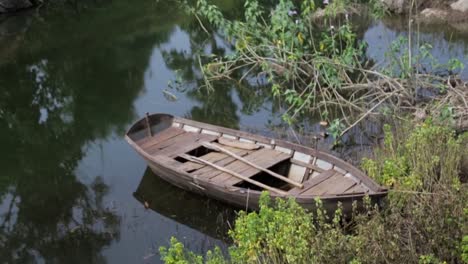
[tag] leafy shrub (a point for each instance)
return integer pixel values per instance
(429, 157)
(177, 254)
(424, 221)
(306, 63)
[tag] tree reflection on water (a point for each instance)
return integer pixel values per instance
(58, 96)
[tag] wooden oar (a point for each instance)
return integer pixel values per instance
(237, 175)
(272, 173)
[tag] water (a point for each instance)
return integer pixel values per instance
(71, 82)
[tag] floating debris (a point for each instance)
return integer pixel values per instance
(169, 96)
(323, 123)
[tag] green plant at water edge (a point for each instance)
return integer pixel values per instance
(300, 59)
(423, 221)
(430, 259)
(271, 231)
(464, 248)
(336, 128)
(404, 62)
(177, 254)
(428, 157)
(320, 66)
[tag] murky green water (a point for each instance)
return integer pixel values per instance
(71, 82)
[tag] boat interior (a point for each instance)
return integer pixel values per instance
(231, 158)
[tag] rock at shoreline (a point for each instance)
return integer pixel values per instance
(395, 6)
(14, 5)
(434, 13)
(460, 5)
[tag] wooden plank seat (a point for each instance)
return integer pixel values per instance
(262, 157)
(160, 137)
(214, 157)
(180, 144)
(358, 188)
(336, 184)
(327, 182)
(209, 172)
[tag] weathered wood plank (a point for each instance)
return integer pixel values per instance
(264, 158)
(169, 142)
(180, 144)
(187, 146)
(297, 173)
(224, 130)
(191, 166)
(358, 188)
(162, 136)
(237, 144)
(233, 149)
(323, 187)
(207, 171)
(343, 185)
(307, 165)
(263, 161)
(313, 182)
(236, 165)
(243, 178)
(168, 161)
(229, 161)
(254, 165)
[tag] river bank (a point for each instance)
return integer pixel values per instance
(73, 81)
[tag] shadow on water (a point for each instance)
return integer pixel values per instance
(66, 83)
(207, 216)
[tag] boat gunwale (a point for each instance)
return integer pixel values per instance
(376, 189)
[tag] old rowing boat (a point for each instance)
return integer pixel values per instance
(235, 166)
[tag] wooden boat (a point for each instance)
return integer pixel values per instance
(235, 166)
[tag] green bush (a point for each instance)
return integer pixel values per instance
(424, 221)
(429, 157)
(306, 63)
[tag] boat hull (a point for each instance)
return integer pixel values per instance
(178, 150)
(250, 199)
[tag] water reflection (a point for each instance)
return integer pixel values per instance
(205, 215)
(62, 88)
(446, 42)
(46, 211)
(229, 100)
